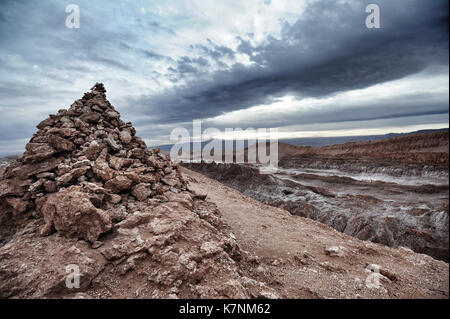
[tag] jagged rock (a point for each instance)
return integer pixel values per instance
(50, 186)
(13, 187)
(63, 132)
(47, 260)
(46, 175)
(61, 144)
(115, 199)
(94, 188)
(72, 214)
(36, 186)
(37, 152)
(70, 176)
(93, 150)
(125, 136)
(170, 181)
(81, 163)
(45, 123)
(117, 214)
(112, 114)
(133, 175)
(91, 117)
(335, 251)
(147, 178)
(17, 204)
(113, 144)
(97, 199)
(153, 162)
(24, 171)
(118, 162)
(99, 87)
(118, 184)
(142, 191)
(101, 167)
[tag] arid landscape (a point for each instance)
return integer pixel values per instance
(394, 191)
(88, 193)
(224, 159)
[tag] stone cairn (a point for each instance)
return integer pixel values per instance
(87, 191)
(85, 155)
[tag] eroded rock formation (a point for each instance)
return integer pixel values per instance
(393, 214)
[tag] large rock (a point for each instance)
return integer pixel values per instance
(125, 136)
(13, 187)
(61, 144)
(142, 191)
(70, 176)
(113, 144)
(71, 213)
(37, 152)
(118, 184)
(63, 132)
(22, 172)
(101, 167)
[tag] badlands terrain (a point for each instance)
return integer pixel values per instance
(88, 194)
(394, 191)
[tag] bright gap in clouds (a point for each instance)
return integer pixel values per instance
(328, 133)
(405, 95)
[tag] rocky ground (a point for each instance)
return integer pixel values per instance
(303, 258)
(87, 196)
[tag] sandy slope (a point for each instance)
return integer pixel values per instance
(292, 253)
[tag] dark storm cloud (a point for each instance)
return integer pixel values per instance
(417, 105)
(186, 64)
(46, 66)
(214, 51)
(328, 50)
(245, 46)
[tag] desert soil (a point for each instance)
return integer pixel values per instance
(302, 258)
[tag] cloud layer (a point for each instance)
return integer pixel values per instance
(233, 64)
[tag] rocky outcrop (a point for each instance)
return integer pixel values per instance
(87, 192)
(71, 213)
(419, 155)
(424, 148)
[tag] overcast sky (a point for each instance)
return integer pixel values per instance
(309, 68)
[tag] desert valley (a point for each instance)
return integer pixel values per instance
(393, 191)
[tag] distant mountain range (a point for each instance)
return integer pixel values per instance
(318, 141)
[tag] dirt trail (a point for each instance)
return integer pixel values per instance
(292, 253)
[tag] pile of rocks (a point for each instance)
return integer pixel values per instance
(89, 146)
(88, 192)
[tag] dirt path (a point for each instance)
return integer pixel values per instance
(291, 253)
